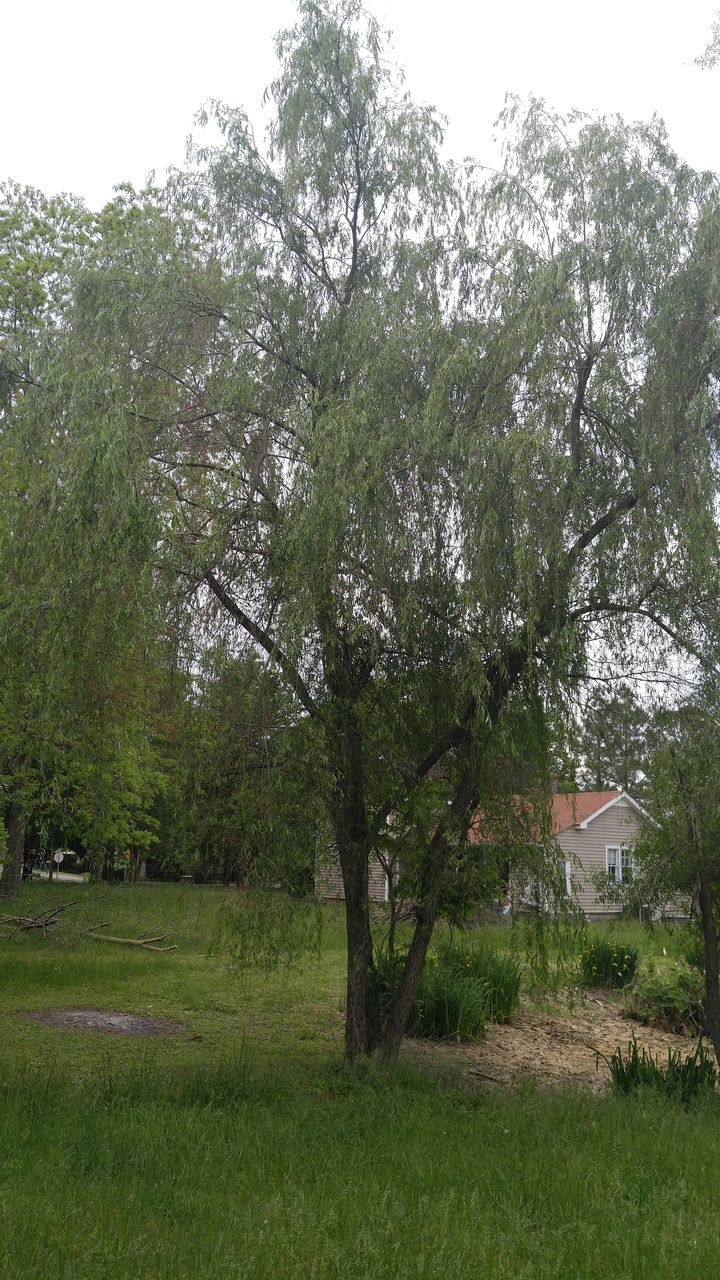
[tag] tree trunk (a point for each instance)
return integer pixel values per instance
(426, 915)
(362, 1011)
(710, 937)
(349, 816)
(505, 675)
(12, 871)
(426, 910)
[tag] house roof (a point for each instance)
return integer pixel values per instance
(569, 809)
(574, 808)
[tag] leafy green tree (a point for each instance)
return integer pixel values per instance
(422, 438)
(39, 239)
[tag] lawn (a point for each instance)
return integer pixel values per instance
(242, 1147)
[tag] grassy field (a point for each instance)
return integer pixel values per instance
(243, 1147)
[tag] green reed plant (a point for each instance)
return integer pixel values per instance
(605, 963)
(683, 1077)
(464, 985)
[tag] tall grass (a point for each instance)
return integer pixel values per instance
(243, 1148)
(225, 1171)
(497, 971)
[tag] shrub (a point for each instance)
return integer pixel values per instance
(608, 964)
(462, 987)
(671, 997)
(682, 1077)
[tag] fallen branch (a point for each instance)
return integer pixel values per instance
(145, 943)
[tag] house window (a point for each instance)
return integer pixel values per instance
(619, 862)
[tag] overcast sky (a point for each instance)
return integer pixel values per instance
(92, 94)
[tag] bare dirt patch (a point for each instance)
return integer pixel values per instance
(559, 1049)
(131, 1024)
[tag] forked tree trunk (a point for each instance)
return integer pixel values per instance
(438, 854)
(712, 977)
(12, 871)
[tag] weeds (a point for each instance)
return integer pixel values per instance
(682, 1077)
(671, 997)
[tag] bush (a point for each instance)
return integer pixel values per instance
(694, 950)
(671, 997)
(462, 988)
(682, 1077)
(608, 964)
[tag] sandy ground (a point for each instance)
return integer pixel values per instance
(557, 1049)
(104, 1020)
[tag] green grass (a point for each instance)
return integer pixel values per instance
(253, 1152)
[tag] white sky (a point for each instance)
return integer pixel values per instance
(92, 94)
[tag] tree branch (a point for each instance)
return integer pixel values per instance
(266, 642)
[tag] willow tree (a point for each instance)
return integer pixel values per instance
(74, 746)
(40, 239)
(420, 436)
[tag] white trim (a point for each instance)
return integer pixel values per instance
(622, 795)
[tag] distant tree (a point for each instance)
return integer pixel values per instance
(613, 740)
(75, 654)
(242, 807)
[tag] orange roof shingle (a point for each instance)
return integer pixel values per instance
(569, 809)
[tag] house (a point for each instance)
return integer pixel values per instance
(595, 832)
(329, 884)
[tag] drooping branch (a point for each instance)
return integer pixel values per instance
(266, 642)
(614, 606)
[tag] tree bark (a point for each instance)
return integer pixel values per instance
(712, 977)
(12, 871)
(362, 1012)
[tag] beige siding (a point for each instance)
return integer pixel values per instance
(328, 882)
(587, 852)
